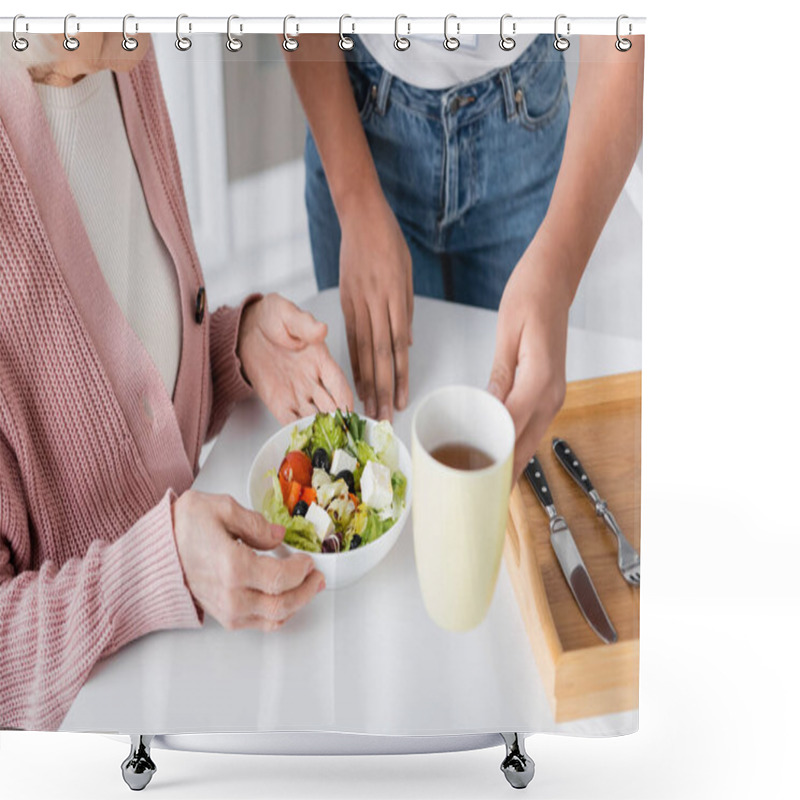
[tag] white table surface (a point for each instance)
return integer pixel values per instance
(366, 659)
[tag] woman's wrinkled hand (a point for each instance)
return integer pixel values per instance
(216, 538)
(284, 357)
(529, 369)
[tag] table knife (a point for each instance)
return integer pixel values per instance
(627, 557)
(569, 557)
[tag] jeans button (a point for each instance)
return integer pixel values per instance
(200, 306)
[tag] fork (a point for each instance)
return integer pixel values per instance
(628, 559)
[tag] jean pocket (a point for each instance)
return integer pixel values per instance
(365, 90)
(538, 103)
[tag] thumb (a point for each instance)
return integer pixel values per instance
(504, 366)
(250, 526)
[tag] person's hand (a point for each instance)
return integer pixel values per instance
(284, 356)
(528, 373)
(376, 289)
(227, 579)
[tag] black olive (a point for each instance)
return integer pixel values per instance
(320, 459)
(355, 541)
(330, 545)
(300, 508)
(347, 476)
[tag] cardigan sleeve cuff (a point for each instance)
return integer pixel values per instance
(229, 384)
(144, 581)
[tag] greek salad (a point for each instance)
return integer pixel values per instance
(337, 488)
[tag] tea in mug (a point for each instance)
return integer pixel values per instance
(462, 456)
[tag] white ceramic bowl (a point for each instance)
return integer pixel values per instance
(339, 569)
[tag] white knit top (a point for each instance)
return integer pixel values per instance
(89, 132)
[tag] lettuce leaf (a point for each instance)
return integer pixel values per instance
(356, 425)
(327, 433)
(382, 441)
(272, 506)
(300, 533)
(399, 483)
(300, 439)
(373, 528)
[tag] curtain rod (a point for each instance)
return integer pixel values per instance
(294, 26)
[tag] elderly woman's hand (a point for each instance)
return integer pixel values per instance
(215, 538)
(283, 355)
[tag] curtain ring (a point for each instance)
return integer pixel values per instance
(233, 44)
(561, 43)
(345, 42)
(70, 42)
(129, 43)
(17, 42)
(451, 43)
(507, 42)
(183, 43)
(623, 45)
(400, 42)
(290, 44)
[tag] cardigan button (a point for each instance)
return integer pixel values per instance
(200, 306)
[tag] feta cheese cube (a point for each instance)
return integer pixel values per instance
(318, 517)
(376, 486)
(342, 460)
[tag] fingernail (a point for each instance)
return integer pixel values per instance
(386, 413)
(494, 389)
(369, 407)
(321, 586)
(402, 400)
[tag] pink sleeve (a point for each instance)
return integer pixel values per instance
(56, 624)
(228, 383)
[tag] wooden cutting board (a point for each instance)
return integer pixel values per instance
(601, 420)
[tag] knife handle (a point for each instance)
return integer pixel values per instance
(535, 475)
(569, 460)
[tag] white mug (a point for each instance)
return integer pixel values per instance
(460, 515)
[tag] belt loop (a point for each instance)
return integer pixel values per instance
(384, 84)
(508, 93)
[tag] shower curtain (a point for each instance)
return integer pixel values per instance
(204, 238)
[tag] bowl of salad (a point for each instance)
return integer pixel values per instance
(340, 485)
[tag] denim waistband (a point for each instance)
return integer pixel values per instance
(475, 97)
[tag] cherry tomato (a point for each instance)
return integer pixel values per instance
(296, 466)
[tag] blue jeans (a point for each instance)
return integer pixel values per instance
(468, 171)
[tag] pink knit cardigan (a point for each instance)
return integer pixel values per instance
(92, 447)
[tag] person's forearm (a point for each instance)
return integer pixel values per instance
(320, 77)
(603, 138)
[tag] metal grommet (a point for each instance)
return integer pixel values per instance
(345, 42)
(400, 42)
(623, 45)
(17, 42)
(451, 43)
(290, 44)
(233, 44)
(183, 43)
(129, 43)
(70, 42)
(561, 43)
(507, 42)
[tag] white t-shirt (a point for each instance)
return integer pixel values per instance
(428, 65)
(92, 143)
